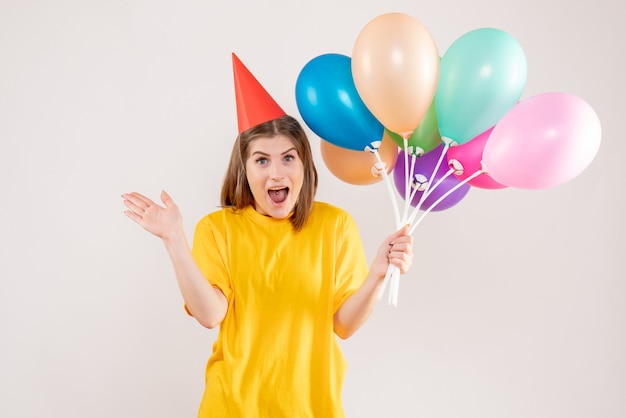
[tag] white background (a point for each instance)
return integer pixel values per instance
(515, 304)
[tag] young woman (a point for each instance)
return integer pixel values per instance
(281, 275)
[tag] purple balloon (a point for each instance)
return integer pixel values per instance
(423, 170)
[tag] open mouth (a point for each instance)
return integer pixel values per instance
(278, 195)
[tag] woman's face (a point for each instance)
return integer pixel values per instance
(275, 174)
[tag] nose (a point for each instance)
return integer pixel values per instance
(277, 172)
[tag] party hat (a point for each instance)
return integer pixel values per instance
(254, 104)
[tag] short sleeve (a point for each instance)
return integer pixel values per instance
(209, 252)
(351, 265)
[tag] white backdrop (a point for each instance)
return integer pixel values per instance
(514, 307)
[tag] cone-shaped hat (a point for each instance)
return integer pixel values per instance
(254, 104)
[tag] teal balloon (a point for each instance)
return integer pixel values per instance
(481, 77)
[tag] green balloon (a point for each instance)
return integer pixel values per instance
(424, 138)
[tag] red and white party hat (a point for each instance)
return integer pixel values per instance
(254, 104)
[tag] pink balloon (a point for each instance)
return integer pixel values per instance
(470, 155)
(543, 141)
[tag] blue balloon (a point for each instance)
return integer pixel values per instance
(331, 106)
(481, 77)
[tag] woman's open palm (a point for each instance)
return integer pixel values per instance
(158, 220)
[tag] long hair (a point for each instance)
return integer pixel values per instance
(236, 193)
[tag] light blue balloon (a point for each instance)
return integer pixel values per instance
(481, 77)
(330, 105)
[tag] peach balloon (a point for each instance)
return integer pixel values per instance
(395, 67)
(355, 167)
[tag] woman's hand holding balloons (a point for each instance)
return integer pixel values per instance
(164, 222)
(396, 250)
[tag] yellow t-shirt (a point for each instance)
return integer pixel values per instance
(276, 355)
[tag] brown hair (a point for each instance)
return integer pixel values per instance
(236, 191)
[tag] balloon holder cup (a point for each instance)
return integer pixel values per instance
(414, 150)
(456, 165)
(373, 146)
(419, 182)
(378, 169)
(449, 142)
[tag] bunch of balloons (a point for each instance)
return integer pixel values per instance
(441, 124)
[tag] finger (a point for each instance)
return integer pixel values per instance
(402, 232)
(403, 240)
(139, 199)
(133, 207)
(401, 243)
(398, 248)
(132, 215)
(401, 261)
(400, 251)
(402, 247)
(405, 252)
(166, 199)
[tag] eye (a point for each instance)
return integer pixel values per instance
(289, 157)
(261, 160)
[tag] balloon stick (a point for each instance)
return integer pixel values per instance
(392, 278)
(396, 211)
(387, 180)
(410, 179)
(432, 176)
(429, 190)
(448, 193)
(393, 273)
(407, 179)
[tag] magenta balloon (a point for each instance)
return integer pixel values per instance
(424, 166)
(470, 155)
(543, 141)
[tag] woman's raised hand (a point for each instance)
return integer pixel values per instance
(164, 222)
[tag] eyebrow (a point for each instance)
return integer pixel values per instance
(292, 149)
